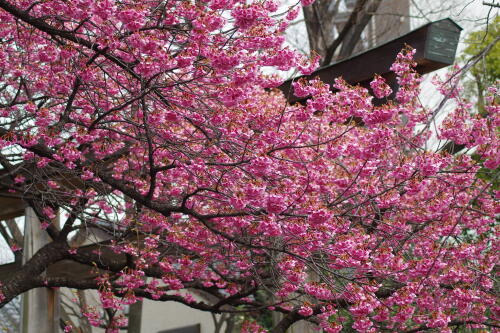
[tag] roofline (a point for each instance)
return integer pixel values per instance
(385, 43)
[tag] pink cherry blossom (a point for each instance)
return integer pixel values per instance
(154, 132)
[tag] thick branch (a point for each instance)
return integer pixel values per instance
(26, 278)
(360, 4)
(349, 44)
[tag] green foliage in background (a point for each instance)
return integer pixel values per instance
(486, 72)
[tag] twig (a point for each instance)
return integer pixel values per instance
(491, 4)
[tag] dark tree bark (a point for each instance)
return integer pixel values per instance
(336, 34)
(354, 35)
(320, 24)
(28, 276)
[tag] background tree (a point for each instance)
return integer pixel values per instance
(342, 28)
(486, 72)
(329, 28)
(151, 129)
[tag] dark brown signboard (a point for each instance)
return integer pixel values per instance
(435, 44)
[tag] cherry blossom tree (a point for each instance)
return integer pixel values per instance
(154, 131)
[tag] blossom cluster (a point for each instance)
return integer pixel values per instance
(156, 124)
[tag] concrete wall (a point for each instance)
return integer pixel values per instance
(158, 316)
(391, 20)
